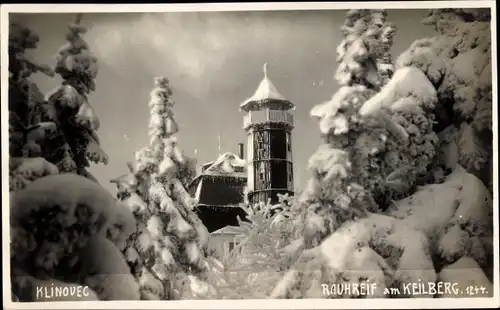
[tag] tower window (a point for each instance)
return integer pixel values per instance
(231, 246)
(278, 144)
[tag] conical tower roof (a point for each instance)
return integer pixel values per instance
(266, 92)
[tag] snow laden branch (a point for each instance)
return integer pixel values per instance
(20, 65)
(458, 63)
(426, 216)
(349, 170)
(167, 251)
(263, 253)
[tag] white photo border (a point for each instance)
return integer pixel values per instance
(243, 303)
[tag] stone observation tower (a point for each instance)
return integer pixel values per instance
(268, 123)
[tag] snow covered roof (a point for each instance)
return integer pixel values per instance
(227, 164)
(265, 92)
(229, 230)
(222, 183)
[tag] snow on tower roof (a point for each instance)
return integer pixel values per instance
(265, 92)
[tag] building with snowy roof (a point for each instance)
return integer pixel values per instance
(224, 240)
(258, 177)
(219, 190)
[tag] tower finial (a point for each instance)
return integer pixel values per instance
(78, 18)
(265, 70)
(218, 142)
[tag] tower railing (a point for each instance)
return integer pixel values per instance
(267, 115)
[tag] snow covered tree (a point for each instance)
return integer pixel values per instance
(430, 232)
(458, 63)
(167, 252)
(364, 55)
(65, 228)
(261, 257)
(348, 171)
(61, 130)
(76, 142)
(267, 230)
(26, 131)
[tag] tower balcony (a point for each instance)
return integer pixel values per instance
(267, 115)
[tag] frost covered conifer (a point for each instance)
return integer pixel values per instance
(167, 252)
(62, 129)
(27, 132)
(56, 218)
(447, 224)
(458, 62)
(347, 169)
(262, 255)
(364, 55)
(76, 142)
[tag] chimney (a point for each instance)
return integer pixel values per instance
(240, 148)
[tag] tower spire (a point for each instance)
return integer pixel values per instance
(218, 143)
(265, 92)
(268, 120)
(78, 18)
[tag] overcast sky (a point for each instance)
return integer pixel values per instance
(214, 61)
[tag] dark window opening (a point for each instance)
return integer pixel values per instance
(278, 144)
(231, 246)
(278, 174)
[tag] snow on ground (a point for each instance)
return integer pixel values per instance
(247, 283)
(378, 249)
(105, 271)
(459, 211)
(469, 275)
(398, 247)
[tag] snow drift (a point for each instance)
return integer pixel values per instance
(420, 237)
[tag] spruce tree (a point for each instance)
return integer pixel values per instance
(167, 252)
(464, 83)
(66, 230)
(347, 169)
(76, 142)
(27, 133)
